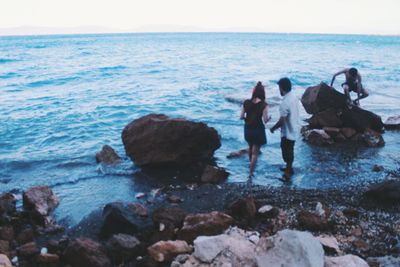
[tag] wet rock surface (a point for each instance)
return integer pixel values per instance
(107, 155)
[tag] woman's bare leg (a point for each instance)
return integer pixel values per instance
(255, 152)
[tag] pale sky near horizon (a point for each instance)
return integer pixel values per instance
(313, 16)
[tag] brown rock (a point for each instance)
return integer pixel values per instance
(107, 155)
(7, 203)
(213, 223)
(174, 199)
(157, 140)
(351, 213)
(348, 132)
(166, 250)
(327, 118)
(332, 131)
(322, 97)
(244, 208)
(312, 222)
(139, 209)
(84, 252)
(174, 216)
(48, 258)
(356, 232)
(340, 138)
(40, 200)
(361, 244)
(123, 247)
(7, 233)
(28, 250)
(4, 247)
(212, 174)
(25, 236)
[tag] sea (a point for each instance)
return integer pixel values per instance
(62, 97)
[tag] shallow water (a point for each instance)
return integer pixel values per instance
(63, 97)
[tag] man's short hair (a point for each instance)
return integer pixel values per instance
(353, 72)
(285, 84)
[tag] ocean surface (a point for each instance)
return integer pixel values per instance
(63, 97)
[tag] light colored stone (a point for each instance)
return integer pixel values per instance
(4, 261)
(265, 209)
(167, 250)
(290, 248)
(329, 242)
(345, 261)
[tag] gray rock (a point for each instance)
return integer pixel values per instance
(290, 248)
(387, 261)
(107, 155)
(345, 261)
(392, 122)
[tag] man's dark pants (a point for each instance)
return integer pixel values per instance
(287, 147)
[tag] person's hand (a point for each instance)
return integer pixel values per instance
(271, 130)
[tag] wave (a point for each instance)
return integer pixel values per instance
(7, 60)
(56, 82)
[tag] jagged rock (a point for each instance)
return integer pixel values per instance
(392, 122)
(378, 168)
(166, 250)
(310, 221)
(386, 192)
(318, 137)
(123, 247)
(329, 243)
(207, 248)
(361, 120)
(118, 218)
(373, 139)
(345, 261)
(107, 155)
(83, 252)
(212, 174)
(7, 203)
(195, 225)
(4, 261)
(290, 248)
(326, 118)
(166, 215)
(40, 201)
(322, 97)
(243, 209)
(157, 140)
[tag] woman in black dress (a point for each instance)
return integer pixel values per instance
(255, 114)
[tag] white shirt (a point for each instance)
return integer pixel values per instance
(289, 109)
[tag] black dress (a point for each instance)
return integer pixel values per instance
(254, 129)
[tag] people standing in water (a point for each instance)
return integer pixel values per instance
(255, 114)
(352, 83)
(289, 124)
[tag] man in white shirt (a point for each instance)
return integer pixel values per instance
(289, 124)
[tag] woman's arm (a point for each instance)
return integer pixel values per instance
(242, 113)
(265, 116)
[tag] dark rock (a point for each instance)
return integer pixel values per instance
(312, 222)
(165, 215)
(28, 250)
(322, 97)
(84, 252)
(378, 168)
(361, 120)
(351, 213)
(40, 201)
(157, 140)
(25, 236)
(7, 204)
(268, 212)
(373, 139)
(123, 247)
(212, 174)
(164, 251)
(48, 259)
(107, 155)
(213, 223)
(243, 210)
(318, 137)
(4, 247)
(331, 131)
(386, 192)
(139, 209)
(340, 138)
(392, 123)
(348, 132)
(118, 218)
(7, 233)
(238, 154)
(174, 199)
(327, 118)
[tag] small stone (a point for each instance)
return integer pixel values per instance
(329, 243)
(107, 155)
(361, 244)
(28, 250)
(139, 209)
(48, 258)
(175, 199)
(356, 232)
(140, 195)
(378, 168)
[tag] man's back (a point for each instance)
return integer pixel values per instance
(289, 108)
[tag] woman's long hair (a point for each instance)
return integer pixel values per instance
(258, 92)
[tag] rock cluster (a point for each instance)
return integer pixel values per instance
(333, 121)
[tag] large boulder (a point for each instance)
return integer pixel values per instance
(7, 204)
(326, 118)
(386, 192)
(4, 261)
(119, 218)
(212, 174)
(392, 123)
(322, 97)
(84, 252)
(40, 201)
(345, 261)
(123, 247)
(158, 140)
(361, 120)
(290, 248)
(195, 225)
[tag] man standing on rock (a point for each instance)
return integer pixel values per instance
(352, 83)
(289, 124)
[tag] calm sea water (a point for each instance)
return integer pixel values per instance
(63, 97)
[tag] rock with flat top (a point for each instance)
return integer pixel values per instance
(212, 174)
(290, 248)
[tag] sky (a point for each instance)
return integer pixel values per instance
(304, 16)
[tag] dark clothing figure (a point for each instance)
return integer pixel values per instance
(287, 147)
(254, 130)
